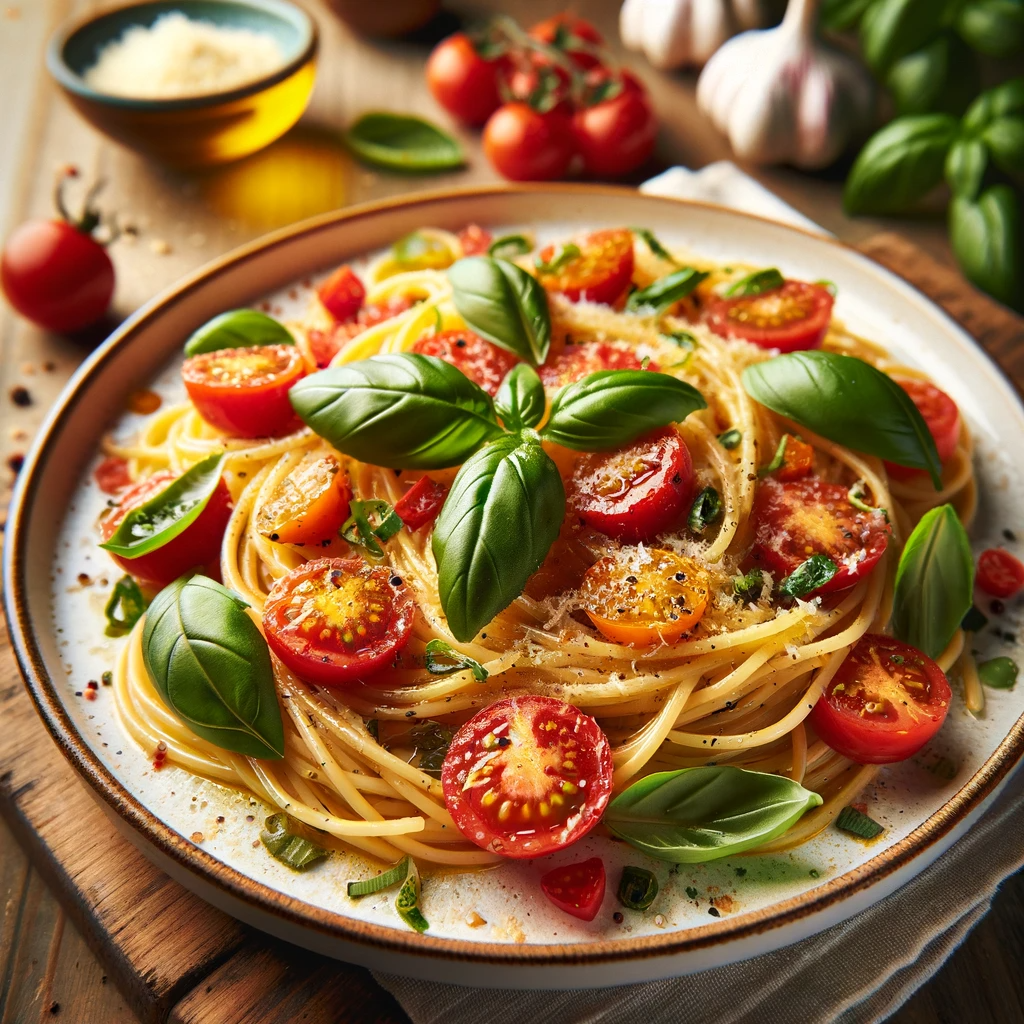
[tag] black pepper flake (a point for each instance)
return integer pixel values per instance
(49, 366)
(997, 607)
(54, 1008)
(396, 581)
(713, 911)
(617, 917)
(1009, 535)
(15, 462)
(20, 395)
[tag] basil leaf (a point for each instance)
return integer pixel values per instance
(238, 328)
(993, 27)
(504, 304)
(730, 438)
(563, 254)
(1004, 138)
(169, 513)
(612, 407)
(999, 673)
(509, 246)
(749, 587)
(501, 517)
(858, 824)
(986, 240)
(451, 660)
(700, 814)
(520, 400)
(360, 530)
(1006, 100)
(756, 283)
(895, 28)
(934, 582)
(848, 401)
(401, 142)
(654, 245)
(665, 292)
(965, 166)
(368, 886)
(283, 838)
(404, 411)
(638, 888)
(941, 77)
(815, 572)
(124, 608)
(431, 740)
(900, 164)
(707, 507)
(210, 664)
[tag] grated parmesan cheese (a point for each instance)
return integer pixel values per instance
(177, 57)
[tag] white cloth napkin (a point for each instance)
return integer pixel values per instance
(858, 972)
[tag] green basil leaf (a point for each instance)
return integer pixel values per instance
(700, 814)
(898, 27)
(385, 880)
(986, 240)
(993, 27)
(684, 339)
(1006, 100)
(934, 582)
(431, 740)
(808, 576)
(443, 659)
(749, 587)
(401, 142)
(612, 407)
(509, 246)
(283, 838)
(974, 621)
(563, 254)
(756, 283)
(900, 164)
(652, 243)
(848, 401)
(730, 438)
(238, 328)
(169, 513)
(125, 607)
(404, 411)
(1004, 138)
(706, 508)
(501, 517)
(361, 530)
(407, 903)
(504, 304)
(941, 77)
(965, 166)
(210, 664)
(520, 400)
(638, 888)
(840, 15)
(999, 673)
(858, 824)
(665, 292)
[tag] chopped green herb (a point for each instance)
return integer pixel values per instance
(359, 528)
(691, 892)
(684, 339)
(443, 659)
(741, 872)
(858, 824)
(283, 838)
(808, 576)
(378, 883)
(777, 459)
(107, 678)
(665, 292)
(856, 495)
(749, 587)
(509, 246)
(653, 244)
(730, 438)
(432, 740)
(645, 362)
(637, 888)
(562, 255)
(974, 621)
(705, 510)
(755, 283)
(999, 673)
(373, 728)
(125, 607)
(408, 901)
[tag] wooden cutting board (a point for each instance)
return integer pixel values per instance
(175, 958)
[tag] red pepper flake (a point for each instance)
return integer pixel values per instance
(90, 694)
(160, 755)
(92, 685)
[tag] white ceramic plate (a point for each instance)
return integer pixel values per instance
(203, 835)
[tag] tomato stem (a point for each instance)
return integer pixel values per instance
(91, 217)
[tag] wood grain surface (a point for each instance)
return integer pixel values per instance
(89, 931)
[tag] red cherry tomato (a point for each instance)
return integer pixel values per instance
(112, 475)
(244, 391)
(573, 35)
(999, 573)
(527, 776)
(483, 363)
(542, 85)
(940, 414)
(884, 704)
(792, 317)
(795, 520)
(601, 272)
(617, 135)
(475, 240)
(461, 80)
(797, 460)
(523, 144)
(335, 621)
(342, 294)
(575, 362)
(320, 347)
(196, 547)
(578, 889)
(637, 491)
(421, 504)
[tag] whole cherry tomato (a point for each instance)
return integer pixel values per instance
(616, 135)
(524, 144)
(1000, 573)
(462, 81)
(574, 36)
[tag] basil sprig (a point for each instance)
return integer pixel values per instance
(442, 659)
(520, 400)
(371, 523)
(700, 814)
(756, 283)
(665, 292)
(238, 328)
(169, 513)
(210, 664)
(402, 142)
(934, 582)
(124, 608)
(504, 304)
(848, 401)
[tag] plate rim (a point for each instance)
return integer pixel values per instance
(330, 924)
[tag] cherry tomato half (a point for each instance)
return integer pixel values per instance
(884, 704)
(795, 520)
(942, 417)
(421, 504)
(461, 80)
(320, 347)
(482, 362)
(792, 317)
(999, 573)
(617, 135)
(196, 547)
(112, 475)
(573, 35)
(637, 491)
(523, 144)
(244, 391)
(575, 362)
(601, 272)
(308, 505)
(527, 776)
(475, 240)
(578, 889)
(335, 620)
(797, 460)
(647, 597)
(342, 294)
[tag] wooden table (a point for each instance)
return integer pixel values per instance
(46, 970)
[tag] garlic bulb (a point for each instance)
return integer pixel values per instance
(782, 96)
(674, 33)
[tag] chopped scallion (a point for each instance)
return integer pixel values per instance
(858, 824)
(125, 607)
(638, 888)
(282, 837)
(777, 459)
(407, 902)
(442, 659)
(385, 880)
